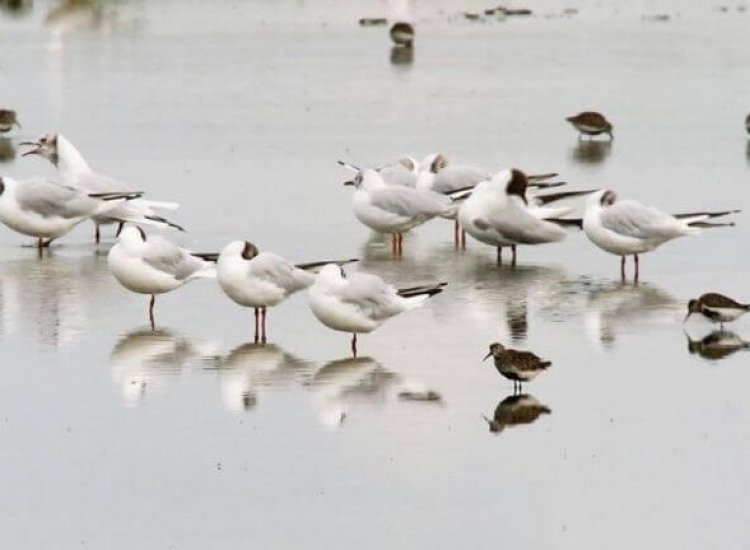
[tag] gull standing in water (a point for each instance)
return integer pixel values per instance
(261, 279)
(76, 172)
(153, 265)
(498, 213)
(45, 210)
(358, 303)
(394, 209)
(625, 227)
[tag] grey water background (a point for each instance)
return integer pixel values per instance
(113, 437)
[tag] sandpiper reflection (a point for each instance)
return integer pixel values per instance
(144, 359)
(7, 150)
(516, 410)
(717, 345)
(591, 151)
(251, 367)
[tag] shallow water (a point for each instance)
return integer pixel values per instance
(191, 437)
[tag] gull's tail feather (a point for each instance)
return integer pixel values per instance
(423, 290)
(349, 166)
(159, 220)
(691, 217)
(113, 196)
(161, 205)
(547, 184)
(206, 272)
(567, 222)
(207, 256)
(312, 266)
(541, 177)
(709, 225)
(552, 197)
(461, 193)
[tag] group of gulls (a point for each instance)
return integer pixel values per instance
(501, 209)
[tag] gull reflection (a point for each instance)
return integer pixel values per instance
(7, 150)
(16, 7)
(144, 359)
(591, 151)
(50, 296)
(343, 384)
(250, 367)
(618, 307)
(515, 410)
(67, 16)
(717, 345)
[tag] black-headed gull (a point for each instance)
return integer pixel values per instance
(261, 279)
(624, 227)
(46, 210)
(395, 209)
(499, 213)
(402, 172)
(76, 172)
(153, 265)
(358, 303)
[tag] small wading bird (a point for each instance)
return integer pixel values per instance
(717, 345)
(45, 210)
(624, 227)
(717, 308)
(153, 265)
(515, 410)
(8, 119)
(75, 172)
(402, 34)
(591, 123)
(518, 366)
(358, 303)
(395, 209)
(261, 279)
(498, 213)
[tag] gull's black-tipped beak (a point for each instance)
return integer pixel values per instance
(35, 151)
(19, 125)
(487, 356)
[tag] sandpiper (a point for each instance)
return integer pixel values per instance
(402, 34)
(717, 308)
(591, 123)
(518, 366)
(8, 120)
(514, 410)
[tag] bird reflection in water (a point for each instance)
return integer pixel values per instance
(7, 150)
(16, 7)
(613, 307)
(717, 345)
(251, 367)
(343, 384)
(591, 151)
(144, 359)
(51, 297)
(515, 410)
(68, 16)
(402, 56)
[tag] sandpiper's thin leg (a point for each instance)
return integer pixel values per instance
(635, 256)
(151, 310)
(257, 323)
(622, 268)
(513, 249)
(119, 229)
(354, 344)
(97, 234)
(263, 325)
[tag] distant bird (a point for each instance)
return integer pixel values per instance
(46, 210)
(395, 209)
(515, 410)
(717, 345)
(591, 123)
(499, 213)
(358, 303)
(624, 227)
(76, 172)
(402, 34)
(259, 280)
(8, 119)
(717, 308)
(153, 265)
(518, 366)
